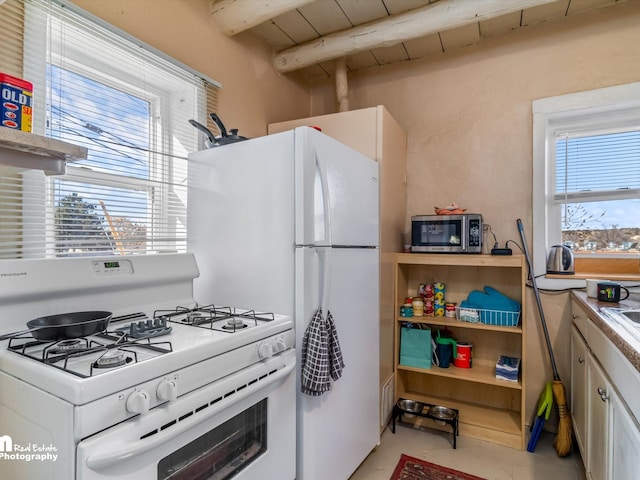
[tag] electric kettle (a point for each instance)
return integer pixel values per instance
(560, 260)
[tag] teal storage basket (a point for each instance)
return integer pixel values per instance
(415, 347)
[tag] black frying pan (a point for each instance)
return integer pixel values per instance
(65, 326)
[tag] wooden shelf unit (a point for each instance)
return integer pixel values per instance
(490, 409)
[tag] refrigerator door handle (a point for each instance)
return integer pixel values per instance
(326, 203)
(325, 254)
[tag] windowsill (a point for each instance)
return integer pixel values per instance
(27, 150)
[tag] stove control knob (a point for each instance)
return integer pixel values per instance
(138, 402)
(265, 350)
(280, 345)
(167, 390)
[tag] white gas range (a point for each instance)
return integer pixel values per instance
(171, 389)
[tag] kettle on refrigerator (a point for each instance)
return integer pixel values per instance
(560, 260)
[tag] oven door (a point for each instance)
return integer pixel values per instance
(239, 427)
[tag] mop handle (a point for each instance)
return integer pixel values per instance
(537, 295)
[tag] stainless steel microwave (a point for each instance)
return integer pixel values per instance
(446, 233)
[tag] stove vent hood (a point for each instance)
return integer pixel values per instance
(29, 151)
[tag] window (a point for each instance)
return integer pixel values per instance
(598, 190)
(130, 106)
(586, 190)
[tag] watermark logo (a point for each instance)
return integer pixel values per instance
(39, 452)
(6, 443)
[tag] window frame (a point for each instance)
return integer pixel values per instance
(165, 213)
(601, 109)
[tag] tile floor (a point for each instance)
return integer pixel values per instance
(477, 457)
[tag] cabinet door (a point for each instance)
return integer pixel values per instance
(624, 461)
(579, 389)
(597, 427)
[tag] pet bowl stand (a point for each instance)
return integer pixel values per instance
(452, 422)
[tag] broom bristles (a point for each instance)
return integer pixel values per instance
(562, 442)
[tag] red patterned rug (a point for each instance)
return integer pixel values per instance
(410, 468)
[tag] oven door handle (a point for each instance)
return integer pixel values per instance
(103, 460)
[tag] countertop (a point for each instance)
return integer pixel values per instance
(618, 335)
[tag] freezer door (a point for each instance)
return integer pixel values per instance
(336, 192)
(240, 220)
(337, 430)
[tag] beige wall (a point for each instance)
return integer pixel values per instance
(468, 118)
(253, 93)
(467, 114)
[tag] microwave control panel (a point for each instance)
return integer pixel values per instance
(475, 232)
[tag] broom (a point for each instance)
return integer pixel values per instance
(562, 442)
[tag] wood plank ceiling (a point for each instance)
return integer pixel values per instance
(309, 35)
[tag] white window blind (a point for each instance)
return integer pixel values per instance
(592, 166)
(129, 105)
(597, 188)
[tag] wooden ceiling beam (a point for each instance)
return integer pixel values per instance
(420, 22)
(235, 16)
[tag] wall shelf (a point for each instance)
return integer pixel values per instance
(26, 151)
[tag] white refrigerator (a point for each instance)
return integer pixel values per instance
(289, 223)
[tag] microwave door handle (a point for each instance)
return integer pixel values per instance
(464, 224)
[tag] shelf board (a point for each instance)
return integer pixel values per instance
(497, 419)
(484, 374)
(453, 323)
(26, 150)
(465, 260)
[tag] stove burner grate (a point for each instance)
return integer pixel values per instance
(59, 354)
(213, 317)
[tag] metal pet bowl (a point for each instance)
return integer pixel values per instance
(410, 407)
(442, 413)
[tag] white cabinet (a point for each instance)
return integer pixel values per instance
(597, 430)
(603, 386)
(624, 439)
(578, 406)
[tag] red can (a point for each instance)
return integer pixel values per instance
(463, 357)
(425, 290)
(428, 307)
(450, 310)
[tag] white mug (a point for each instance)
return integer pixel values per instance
(592, 287)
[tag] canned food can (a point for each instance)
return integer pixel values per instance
(438, 291)
(428, 307)
(438, 308)
(425, 290)
(418, 307)
(450, 310)
(406, 310)
(16, 97)
(463, 355)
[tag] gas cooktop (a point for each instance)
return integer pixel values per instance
(136, 337)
